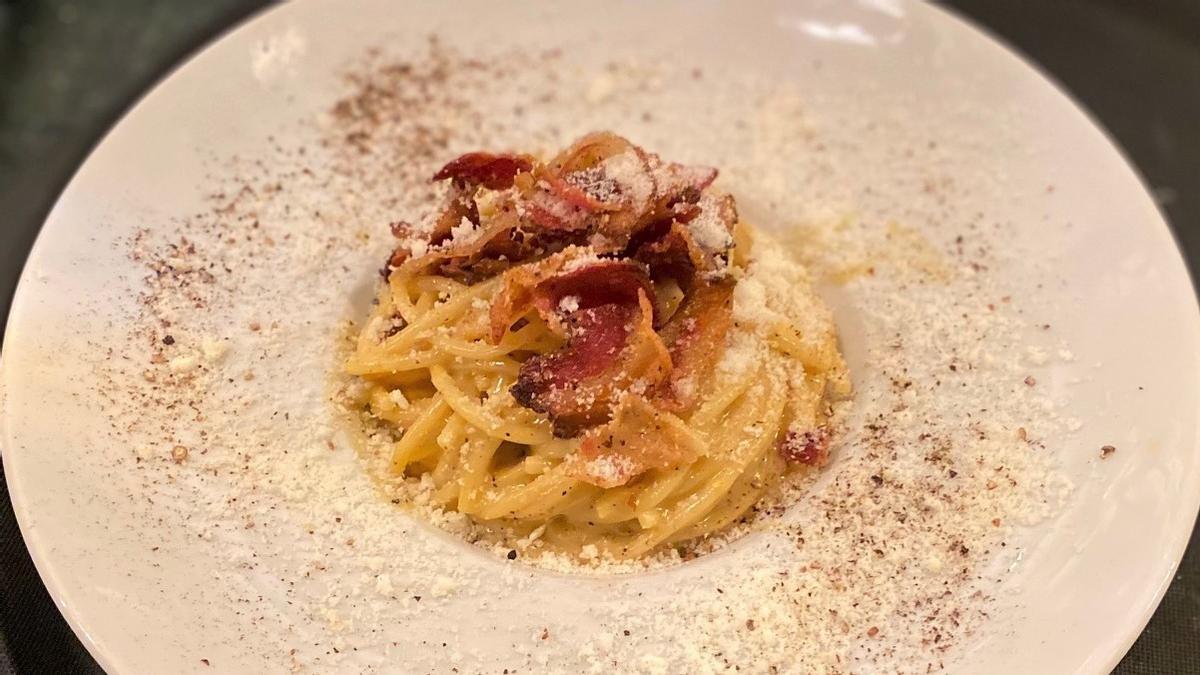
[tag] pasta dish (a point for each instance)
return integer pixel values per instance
(594, 353)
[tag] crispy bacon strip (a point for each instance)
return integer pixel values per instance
(500, 243)
(712, 228)
(546, 209)
(567, 194)
(585, 189)
(468, 172)
(605, 183)
(606, 282)
(674, 253)
(678, 182)
(810, 448)
(695, 337)
(610, 348)
(697, 238)
(459, 205)
(460, 258)
(588, 151)
(543, 285)
(494, 172)
(677, 188)
(640, 437)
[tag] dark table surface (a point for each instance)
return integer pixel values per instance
(69, 69)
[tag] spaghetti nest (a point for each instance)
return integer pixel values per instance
(586, 353)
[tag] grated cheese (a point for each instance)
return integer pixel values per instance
(568, 304)
(708, 229)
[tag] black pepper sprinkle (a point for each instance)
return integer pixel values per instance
(168, 340)
(512, 554)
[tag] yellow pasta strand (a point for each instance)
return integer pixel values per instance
(418, 439)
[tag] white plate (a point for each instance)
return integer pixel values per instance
(149, 588)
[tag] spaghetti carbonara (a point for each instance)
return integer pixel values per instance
(594, 352)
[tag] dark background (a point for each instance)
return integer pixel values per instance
(69, 69)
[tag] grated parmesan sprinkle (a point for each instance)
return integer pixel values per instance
(568, 304)
(465, 232)
(629, 172)
(708, 229)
